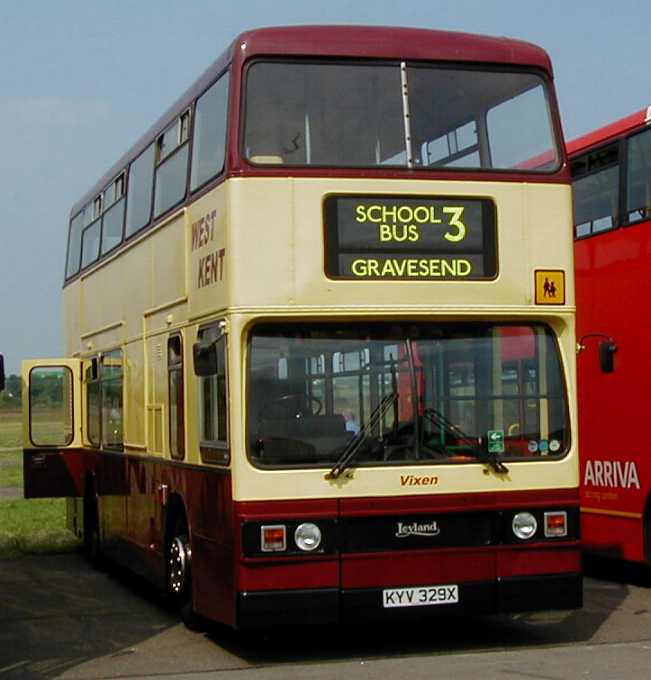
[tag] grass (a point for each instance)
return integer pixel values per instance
(11, 470)
(11, 435)
(26, 526)
(11, 460)
(34, 526)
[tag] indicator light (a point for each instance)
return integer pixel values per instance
(555, 524)
(273, 538)
(524, 525)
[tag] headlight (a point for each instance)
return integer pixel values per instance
(524, 525)
(307, 536)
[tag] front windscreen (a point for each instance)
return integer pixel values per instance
(404, 394)
(392, 115)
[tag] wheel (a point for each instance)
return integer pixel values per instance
(179, 575)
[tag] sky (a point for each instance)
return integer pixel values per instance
(81, 80)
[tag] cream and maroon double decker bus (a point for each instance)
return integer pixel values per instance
(319, 326)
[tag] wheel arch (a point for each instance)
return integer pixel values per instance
(175, 509)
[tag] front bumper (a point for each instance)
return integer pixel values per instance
(264, 609)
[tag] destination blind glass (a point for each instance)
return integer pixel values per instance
(410, 238)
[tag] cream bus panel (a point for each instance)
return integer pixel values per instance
(276, 253)
(52, 404)
(472, 478)
(211, 265)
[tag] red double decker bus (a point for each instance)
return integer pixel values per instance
(611, 173)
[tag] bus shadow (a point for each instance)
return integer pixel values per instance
(617, 570)
(59, 617)
(57, 613)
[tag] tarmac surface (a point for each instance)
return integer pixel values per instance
(61, 619)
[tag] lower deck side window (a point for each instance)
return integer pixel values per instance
(104, 401)
(213, 397)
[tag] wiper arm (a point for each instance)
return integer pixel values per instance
(437, 418)
(354, 446)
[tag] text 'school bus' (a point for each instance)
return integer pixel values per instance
(320, 322)
(611, 170)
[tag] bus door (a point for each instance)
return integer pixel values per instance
(52, 428)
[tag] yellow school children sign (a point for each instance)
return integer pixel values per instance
(550, 287)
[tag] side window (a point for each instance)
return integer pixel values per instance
(172, 168)
(213, 398)
(74, 245)
(595, 179)
(176, 401)
(93, 405)
(104, 401)
(111, 396)
(209, 142)
(113, 215)
(50, 406)
(90, 241)
(638, 178)
(90, 223)
(141, 177)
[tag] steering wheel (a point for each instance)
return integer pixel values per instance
(293, 404)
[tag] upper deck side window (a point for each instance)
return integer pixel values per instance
(638, 177)
(73, 261)
(172, 165)
(97, 228)
(209, 141)
(90, 238)
(113, 217)
(398, 115)
(595, 180)
(139, 191)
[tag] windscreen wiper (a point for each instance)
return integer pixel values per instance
(439, 420)
(354, 446)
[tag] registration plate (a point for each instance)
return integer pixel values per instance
(421, 596)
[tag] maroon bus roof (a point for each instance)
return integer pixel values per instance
(608, 132)
(388, 43)
(378, 42)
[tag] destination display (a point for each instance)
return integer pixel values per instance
(410, 237)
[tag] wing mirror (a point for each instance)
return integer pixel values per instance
(607, 349)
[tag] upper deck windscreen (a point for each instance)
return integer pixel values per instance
(355, 115)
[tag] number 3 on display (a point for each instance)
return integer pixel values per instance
(455, 221)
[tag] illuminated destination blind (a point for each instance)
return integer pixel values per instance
(410, 237)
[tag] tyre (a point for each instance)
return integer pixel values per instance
(179, 575)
